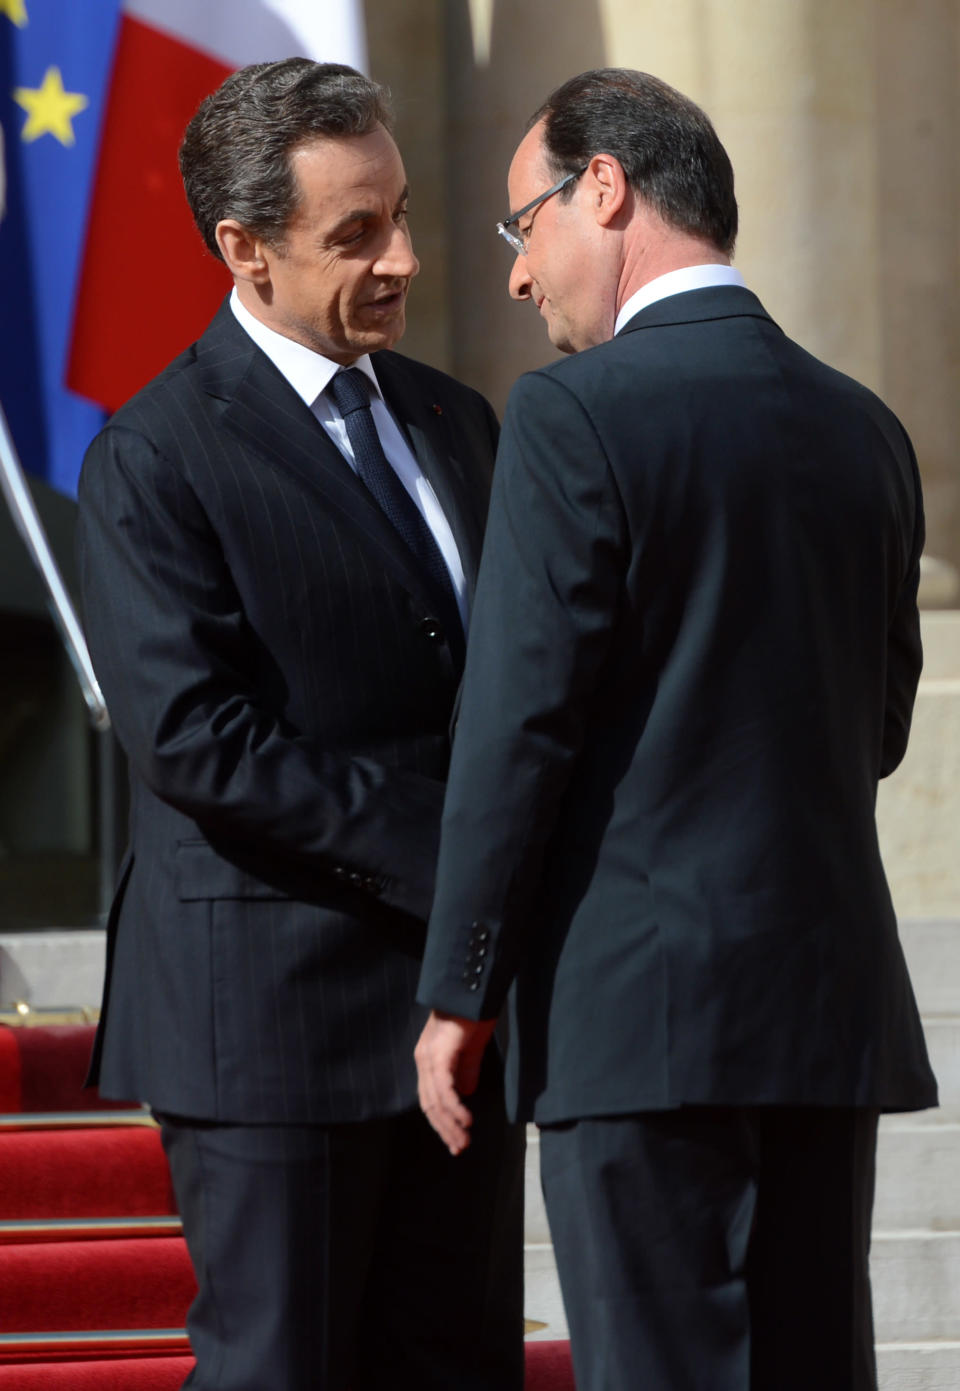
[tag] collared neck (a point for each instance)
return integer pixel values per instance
(677, 282)
(309, 373)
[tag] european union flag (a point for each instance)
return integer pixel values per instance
(55, 62)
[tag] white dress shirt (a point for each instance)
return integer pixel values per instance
(310, 374)
(676, 282)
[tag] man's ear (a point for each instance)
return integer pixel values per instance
(609, 187)
(242, 252)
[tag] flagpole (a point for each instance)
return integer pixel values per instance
(27, 521)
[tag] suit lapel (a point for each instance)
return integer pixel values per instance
(264, 412)
(429, 434)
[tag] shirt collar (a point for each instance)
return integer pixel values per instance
(309, 373)
(676, 282)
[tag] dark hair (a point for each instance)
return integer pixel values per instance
(669, 150)
(235, 156)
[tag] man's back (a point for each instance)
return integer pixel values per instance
(755, 542)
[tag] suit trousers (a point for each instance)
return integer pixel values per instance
(715, 1248)
(358, 1256)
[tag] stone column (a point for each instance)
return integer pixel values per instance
(790, 86)
(503, 58)
(406, 54)
(918, 215)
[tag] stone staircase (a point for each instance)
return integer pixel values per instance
(915, 1260)
(916, 1230)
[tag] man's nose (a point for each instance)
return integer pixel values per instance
(398, 259)
(521, 281)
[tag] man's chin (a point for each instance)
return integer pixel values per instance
(372, 339)
(560, 339)
(570, 338)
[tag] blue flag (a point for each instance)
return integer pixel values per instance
(55, 62)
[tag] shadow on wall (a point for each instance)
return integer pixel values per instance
(503, 58)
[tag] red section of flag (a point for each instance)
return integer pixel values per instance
(148, 285)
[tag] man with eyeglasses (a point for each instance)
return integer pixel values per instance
(694, 652)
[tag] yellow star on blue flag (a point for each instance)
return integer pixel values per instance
(55, 60)
(15, 10)
(50, 110)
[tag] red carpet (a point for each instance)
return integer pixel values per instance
(119, 1374)
(113, 1171)
(61, 1280)
(144, 1282)
(9, 1070)
(43, 1067)
(548, 1369)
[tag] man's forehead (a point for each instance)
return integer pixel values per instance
(372, 151)
(528, 167)
(340, 165)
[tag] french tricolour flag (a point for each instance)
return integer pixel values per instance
(147, 286)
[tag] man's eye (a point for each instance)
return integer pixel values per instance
(400, 215)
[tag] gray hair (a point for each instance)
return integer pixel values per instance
(235, 156)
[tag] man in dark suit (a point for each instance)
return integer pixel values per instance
(694, 652)
(279, 540)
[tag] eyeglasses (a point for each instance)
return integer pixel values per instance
(517, 239)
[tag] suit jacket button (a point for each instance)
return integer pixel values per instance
(356, 879)
(474, 985)
(431, 630)
(371, 885)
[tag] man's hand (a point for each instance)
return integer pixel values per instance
(449, 1053)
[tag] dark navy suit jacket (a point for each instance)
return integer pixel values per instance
(283, 690)
(694, 652)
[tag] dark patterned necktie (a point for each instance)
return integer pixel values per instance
(350, 390)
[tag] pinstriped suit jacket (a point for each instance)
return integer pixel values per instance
(283, 693)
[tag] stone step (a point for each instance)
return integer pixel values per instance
(943, 1044)
(941, 645)
(918, 807)
(907, 1359)
(542, 1301)
(52, 969)
(918, 1177)
(916, 1285)
(932, 949)
(60, 969)
(918, 1174)
(536, 1229)
(918, 1366)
